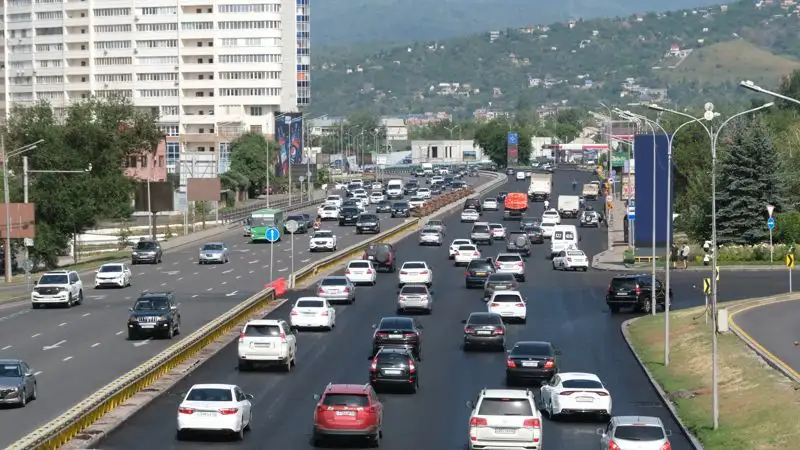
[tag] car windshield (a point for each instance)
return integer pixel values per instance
(495, 226)
(377, 194)
(111, 268)
(458, 242)
(506, 298)
(145, 245)
(262, 330)
(323, 234)
(413, 290)
(298, 218)
(329, 208)
(333, 198)
(212, 247)
(54, 279)
(155, 304)
(582, 384)
(430, 231)
(400, 205)
(349, 211)
(505, 407)
(414, 265)
(509, 258)
(359, 265)
(351, 400)
(11, 371)
(210, 395)
(369, 217)
(262, 221)
(334, 282)
(532, 348)
(501, 278)
(639, 433)
(310, 304)
(485, 319)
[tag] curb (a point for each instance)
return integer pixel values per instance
(663, 395)
(613, 267)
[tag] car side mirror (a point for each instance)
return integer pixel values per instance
(249, 396)
(173, 308)
(558, 352)
(600, 432)
(316, 397)
(469, 404)
(130, 309)
(97, 271)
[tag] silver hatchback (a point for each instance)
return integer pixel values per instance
(337, 289)
(414, 297)
(634, 433)
(430, 236)
(213, 252)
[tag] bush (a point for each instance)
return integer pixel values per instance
(627, 256)
(751, 253)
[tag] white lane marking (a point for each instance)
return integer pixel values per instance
(179, 279)
(194, 296)
(234, 245)
(238, 276)
(16, 314)
(227, 271)
(232, 294)
(97, 297)
(95, 344)
(6, 347)
(36, 374)
(62, 324)
(252, 271)
(305, 260)
(278, 261)
(67, 358)
(172, 272)
(255, 261)
(283, 270)
(128, 297)
(209, 289)
(287, 249)
(224, 282)
(141, 343)
(86, 315)
(164, 283)
(263, 267)
(119, 332)
(56, 345)
(195, 273)
(175, 263)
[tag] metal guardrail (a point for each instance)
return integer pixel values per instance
(243, 212)
(69, 424)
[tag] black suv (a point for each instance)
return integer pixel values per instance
(401, 209)
(410, 187)
(518, 241)
(633, 291)
(394, 367)
(484, 329)
(382, 256)
(368, 223)
(154, 314)
(302, 225)
(348, 216)
(473, 203)
(398, 332)
(147, 251)
(535, 233)
(478, 272)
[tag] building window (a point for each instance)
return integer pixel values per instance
(256, 111)
(224, 156)
(173, 153)
(49, 47)
(122, 28)
(170, 130)
(244, 8)
(160, 43)
(249, 92)
(55, 79)
(111, 45)
(188, 26)
(49, 15)
(117, 61)
(155, 27)
(132, 162)
(157, 60)
(112, 12)
(159, 11)
(157, 92)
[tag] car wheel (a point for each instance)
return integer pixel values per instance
(80, 297)
(249, 427)
(23, 400)
(399, 311)
(35, 392)
(288, 366)
(614, 309)
(69, 301)
(554, 266)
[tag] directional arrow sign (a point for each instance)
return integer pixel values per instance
(56, 345)
(771, 223)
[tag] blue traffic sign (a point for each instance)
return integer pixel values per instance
(272, 234)
(513, 138)
(771, 223)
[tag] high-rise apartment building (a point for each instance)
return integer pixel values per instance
(211, 69)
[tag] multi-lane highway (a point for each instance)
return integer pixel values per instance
(77, 351)
(566, 308)
(774, 327)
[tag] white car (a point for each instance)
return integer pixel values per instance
(335, 200)
(222, 408)
(512, 263)
(376, 197)
(465, 254)
(361, 271)
(551, 215)
(322, 240)
(340, 186)
(61, 287)
(547, 229)
(576, 393)
(112, 274)
(377, 186)
(416, 202)
(363, 199)
(470, 215)
(634, 433)
(497, 230)
(328, 212)
(415, 272)
(424, 193)
(269, 341)
(490, 204)
(458, 243)
(359, 191)
(509, 304)
(571, 260)
(520, 175)
(512, 410)
(312, 312)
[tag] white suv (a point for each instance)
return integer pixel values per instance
(505, 418)
(59, 287)
(267, 341)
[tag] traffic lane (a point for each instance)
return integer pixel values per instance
(774, 327)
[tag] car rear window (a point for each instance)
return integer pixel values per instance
(480, 229)
(393, 357)
(210, 395)
(330, 208)
(458, 242)
(334, 282)
(359, 265)
(414, 290)
(480, 265)
(501, 277)
(466, 248)
(369, 217)
(582, 384)
(430, 231)
(485, 319)
(623, 283)
(509, 258)
(532, 348)
(310, 304)
(353, 400)
(400, 205)
(396, 324)
(414, 265)
(505, 407)
(639, 433)
(262, 330)
(505, 298)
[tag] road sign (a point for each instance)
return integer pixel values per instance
(27, 265)
(790, 261)
(770, 210)
(513, 138)
(707, 286)
(302, 178)
(273, 234)
(631, 213)
(716, 272)
(291, 226)
(770, 223)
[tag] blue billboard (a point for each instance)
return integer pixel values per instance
(643, 155)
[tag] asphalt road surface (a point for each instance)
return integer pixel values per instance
(566, 308)
(77, 351)
(774, 327)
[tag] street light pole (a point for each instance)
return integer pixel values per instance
(713, 135)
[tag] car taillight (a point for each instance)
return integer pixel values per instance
(424, 272)
(532, 423)
(610, 289)
(469, 330)
(228, 411)
(403, 272)
(466, 273)
(185, 411)
(510, 363)
(374, 366)
(410, 334)
(381, 334)
(602, 394)
(369, 271)
(346, 291)
(666, 446)
(320, 291)
(347, 272)
(494, 305)
(324, 313)
(411, 367)
(293, 313)
(498, 265)
(478, 422)
(613, 446)
(476, 254)
(519, 305)
(638, 290)
(458, 253)
(241, 336)
(567, 392)
(549, 364)
(371, 409)
(499, 331)
(520, 263)
(283, 338)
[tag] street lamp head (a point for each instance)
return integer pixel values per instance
(708, 107)
(655, 107)
(709, 115)
(89, 169)
(748, 84)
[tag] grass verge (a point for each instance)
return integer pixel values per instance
(90, 262)
(758, 406)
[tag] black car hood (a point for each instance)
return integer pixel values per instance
(148, 312)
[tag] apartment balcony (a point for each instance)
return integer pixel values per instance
(72, 54)
(199, 119)
(77, 39)
(204, 51)
(200, 101)
(199, 138)
(197, 34)
(198, 84)
(76, 21)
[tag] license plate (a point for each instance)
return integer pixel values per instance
(483, 333)
(309, 314)
(147, 325)
(371, 257)
(585, 399)
(263, 345)
(395, 336)
(392, 371)
(346, 413)
(480, 274)
(530, 364)
(205, 414)
(505, 430)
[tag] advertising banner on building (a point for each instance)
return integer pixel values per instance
(512, 157)
(644, 183)
(289, 135)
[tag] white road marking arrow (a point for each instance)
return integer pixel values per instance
(172, 272)
(56, 345)
(232, 294)
(141, 343)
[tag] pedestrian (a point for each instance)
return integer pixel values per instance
(685, 255)
(673, 255)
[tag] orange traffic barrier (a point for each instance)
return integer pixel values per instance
(279, 285)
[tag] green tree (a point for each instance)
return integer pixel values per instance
(747, 182)
(492, 137)
(105, 133)
(235, 182)
(252, 155)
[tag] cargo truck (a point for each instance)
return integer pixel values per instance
(540, 187)
(591, 191)
(569, 205)
(514, 205)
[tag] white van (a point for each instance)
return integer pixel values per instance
(564, 237)
(394, 189)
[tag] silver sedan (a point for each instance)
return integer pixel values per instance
(337, 288)
(214, 253)
(430, 236)
(414, 297)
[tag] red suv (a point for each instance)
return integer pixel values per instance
(348, 410)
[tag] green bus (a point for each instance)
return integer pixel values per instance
(262, 220)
